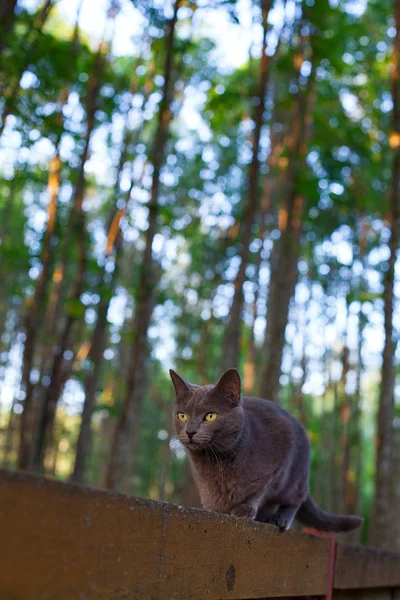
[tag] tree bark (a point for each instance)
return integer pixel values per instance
(380, 530)
(251, 366)
(395, 546)
(95, 356)
(345, 417)
(354, 473)
(5, 220)
(334, 488)
(285, 252)
(29, 42)
(36, 308)
(97, 344)
(33, 315)
(145, 300)
(232, 338)
(90, 385)
(76, 232)
(7, 18)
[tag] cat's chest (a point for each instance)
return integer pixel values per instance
(218, 485)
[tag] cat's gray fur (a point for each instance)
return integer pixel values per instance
(253, 460)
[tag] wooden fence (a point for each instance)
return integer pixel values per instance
(64, 542)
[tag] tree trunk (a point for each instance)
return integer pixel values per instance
(354, 474)
(323, 484)
(251, 366)
(232, 338)
(75, 229)
(36, 308)
(7, 18)
(7, 214)
(354, 479)
(334, 494)
(28, 42)
(145, 300)
(95, 356)
(395, 546)
(285, 253)
(5, 267)
(381, 528)
(97, 344)
(90, 385)
(345, 418)
(33, 315)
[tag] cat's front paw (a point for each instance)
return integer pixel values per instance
(281, 522)
(283, 518)
(244, 510)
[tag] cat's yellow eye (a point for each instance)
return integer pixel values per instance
(210, 417)
(182, 417)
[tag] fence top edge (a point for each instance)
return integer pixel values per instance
(9, 477)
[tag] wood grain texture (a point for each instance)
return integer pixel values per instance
(67, 542)
(63, 542)
(360, 567)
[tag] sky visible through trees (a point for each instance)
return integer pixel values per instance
(172, 195)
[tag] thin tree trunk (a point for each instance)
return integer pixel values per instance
(202, 356)
(33, 317)
(97, 344)
(135, 384)
(323, 488)
(395, 546)
(334, 496)
(354, 479)
(355, 467)
(7, 213)
(95, 356)
(75, 229)
(5, 270)
(380, 530)
(90, 386)
(252, 361)
(7, 18)
(285, 252)
(232, 338)
(28, 42)
(345, 415)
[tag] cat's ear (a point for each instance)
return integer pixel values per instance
(181, 386)
(229, 387)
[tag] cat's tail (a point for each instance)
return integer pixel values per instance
(310, 514)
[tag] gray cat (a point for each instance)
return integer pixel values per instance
(249, 457)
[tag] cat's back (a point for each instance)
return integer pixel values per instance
(274, 433)
(264, 414)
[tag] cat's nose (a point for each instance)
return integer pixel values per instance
(190, 434)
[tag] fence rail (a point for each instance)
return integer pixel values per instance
(64, 542)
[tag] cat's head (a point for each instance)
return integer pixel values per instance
(208, 415)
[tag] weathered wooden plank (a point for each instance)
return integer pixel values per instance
(360, 567)
(371, 594)
(66, 542)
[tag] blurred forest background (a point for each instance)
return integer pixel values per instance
(200, 184)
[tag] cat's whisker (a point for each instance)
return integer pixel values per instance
(219, 462)
(220, 446)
